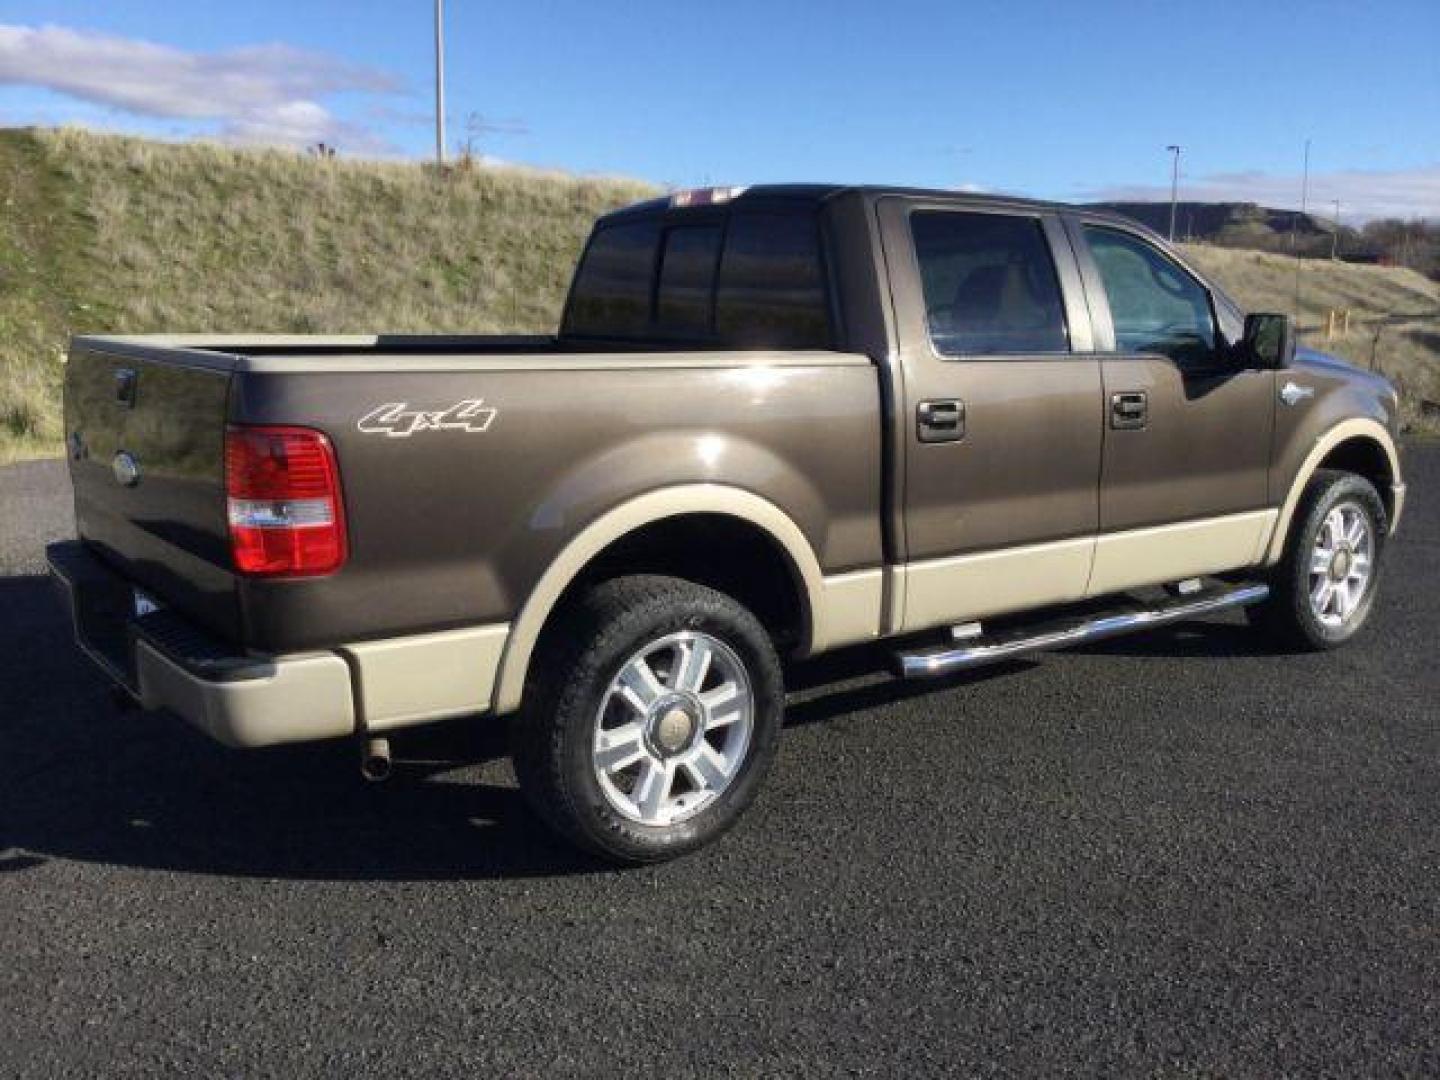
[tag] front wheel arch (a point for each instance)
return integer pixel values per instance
(1358, 441)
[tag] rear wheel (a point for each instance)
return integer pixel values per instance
(1323, 589)
(651, 719)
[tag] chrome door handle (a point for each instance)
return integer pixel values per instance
(940, 420)
(1291, 392)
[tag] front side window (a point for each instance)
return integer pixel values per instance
(989, 283)
(1155, 305)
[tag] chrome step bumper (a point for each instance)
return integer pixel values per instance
(1061, 633)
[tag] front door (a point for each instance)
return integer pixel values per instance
(1002, 406)
(1183, 488)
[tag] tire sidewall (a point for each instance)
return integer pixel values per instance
(702, 611)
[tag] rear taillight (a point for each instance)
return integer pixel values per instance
(282, 491)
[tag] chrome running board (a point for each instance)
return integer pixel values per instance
(1061, 633)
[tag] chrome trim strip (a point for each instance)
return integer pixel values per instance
(943, 659)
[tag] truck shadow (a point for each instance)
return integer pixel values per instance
(79, 779)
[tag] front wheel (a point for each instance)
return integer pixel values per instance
(652, 717)
(1323, 589)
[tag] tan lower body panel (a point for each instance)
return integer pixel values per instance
(415, 679)
(849, 611)
(307, 698)
(943, 591)
(1173, 552)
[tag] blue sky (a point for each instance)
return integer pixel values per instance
(1065, 101)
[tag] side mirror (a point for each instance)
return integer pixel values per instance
(1269, 339)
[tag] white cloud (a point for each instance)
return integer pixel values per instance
(261, 93)
(1363, 193)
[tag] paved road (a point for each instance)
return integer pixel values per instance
(1176, 855)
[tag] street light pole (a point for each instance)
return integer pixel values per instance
(1335, 236)
(1174, 187)
(440, 82)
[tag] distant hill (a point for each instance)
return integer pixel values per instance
(1231, 224)
(1258, 228)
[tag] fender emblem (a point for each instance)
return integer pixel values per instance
(396, 420)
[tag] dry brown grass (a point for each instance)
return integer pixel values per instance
(196, 237)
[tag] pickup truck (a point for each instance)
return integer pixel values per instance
(774, 421)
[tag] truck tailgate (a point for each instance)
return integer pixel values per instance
(145, 431)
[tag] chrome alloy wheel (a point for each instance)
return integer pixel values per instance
(673, 728)
(1341, 564)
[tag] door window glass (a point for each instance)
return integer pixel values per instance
(989, 283)
(1155, 305)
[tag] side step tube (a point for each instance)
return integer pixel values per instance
(977, 652)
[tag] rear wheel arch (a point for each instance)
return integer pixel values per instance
(741, 513)
(1360, 446)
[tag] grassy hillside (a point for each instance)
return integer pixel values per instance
(102, 233)
(1394, 320)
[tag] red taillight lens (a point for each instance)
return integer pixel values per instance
(282, 492)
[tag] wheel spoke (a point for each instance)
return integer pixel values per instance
(693, 665)
(1359, 567)
(1321, 595)
(1342, 599)
(652, 787)
(1355, 534)
(1320, 561)
(1332, 531)
(638, 684)
(620, 747)
(706, 767)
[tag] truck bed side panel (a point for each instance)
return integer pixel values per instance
(452, 526)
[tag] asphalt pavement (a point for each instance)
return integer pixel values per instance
(1175, 855)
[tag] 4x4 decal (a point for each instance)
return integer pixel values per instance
(397, 420)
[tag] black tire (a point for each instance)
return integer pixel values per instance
(1288, 616)
(552, 737)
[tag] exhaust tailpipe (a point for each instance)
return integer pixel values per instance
(375, 760)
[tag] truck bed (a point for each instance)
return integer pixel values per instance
(452, 523)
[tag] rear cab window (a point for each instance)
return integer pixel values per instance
(741, 278)
(989, 283)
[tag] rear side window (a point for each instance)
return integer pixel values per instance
(611, 295)
(687, 280)
(989, 283)
(771, 292)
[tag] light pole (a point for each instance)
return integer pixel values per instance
(1335, 236)
(440, 82)
(1174, 187)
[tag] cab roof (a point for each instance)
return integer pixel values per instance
(701, 198)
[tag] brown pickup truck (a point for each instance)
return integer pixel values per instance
(775, 421)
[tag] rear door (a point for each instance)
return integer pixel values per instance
(1002, 401)
(1188, 427)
